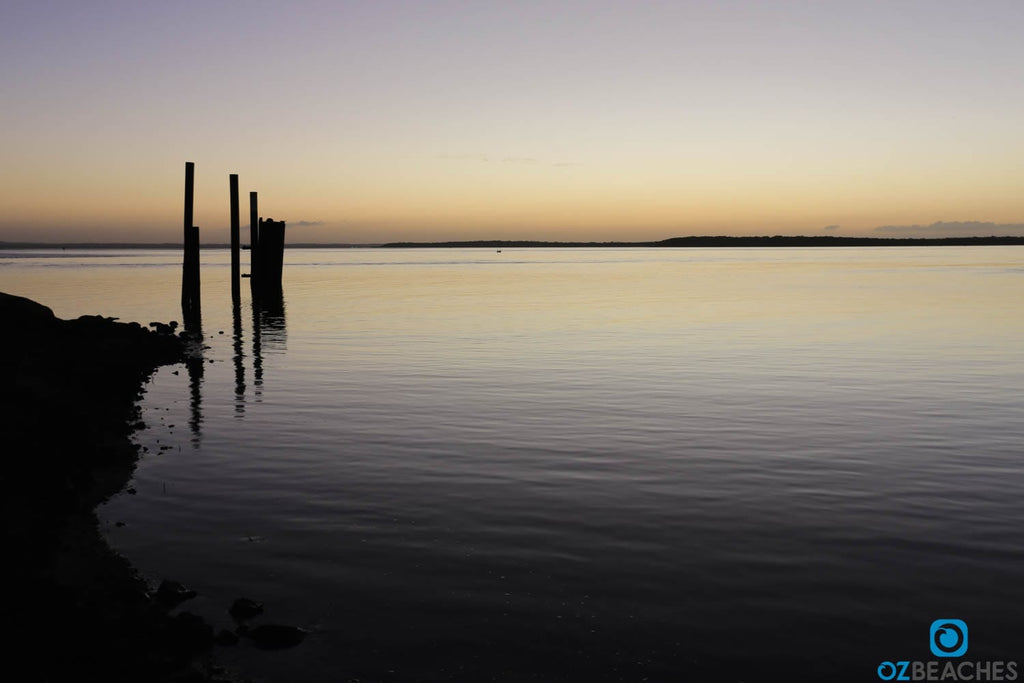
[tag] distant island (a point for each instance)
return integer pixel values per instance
(695, 241)
(725, 241)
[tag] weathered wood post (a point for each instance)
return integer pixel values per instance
(236, 268)
(191, 308)
(190, 260)
(254, 239)
(271, 259)
(186, 294)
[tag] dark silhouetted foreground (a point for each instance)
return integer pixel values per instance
(78, 611)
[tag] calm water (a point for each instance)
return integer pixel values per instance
(583, 465)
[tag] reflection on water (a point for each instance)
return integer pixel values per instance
(195, 365)
(236, 344)
(269, 320)
(268, 332)
(257, 350)
(268, 329)
(566, 465)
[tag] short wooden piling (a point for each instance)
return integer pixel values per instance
(271, 255)
(236, 267)
(190, 307)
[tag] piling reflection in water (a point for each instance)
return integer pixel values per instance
(257, 351)
(268, 333)
(194, 365)
(269, 308)
(236, 342)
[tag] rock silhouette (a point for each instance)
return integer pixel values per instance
(274, 636)
(67, 409)
(244, 608)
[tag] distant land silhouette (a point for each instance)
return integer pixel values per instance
(694, 241)
(725, 241)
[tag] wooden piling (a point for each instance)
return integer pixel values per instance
(190, 258)
(190, 307)
(271, 258)
(236, 267)
(190, 169)
(190, 176)
(254, 238)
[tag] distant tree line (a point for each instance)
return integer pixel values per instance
(726, 241)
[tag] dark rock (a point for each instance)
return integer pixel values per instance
(274, 636)
(20, 313)
(226, 638)
(190, 632)
(244, 608)
(171, 593)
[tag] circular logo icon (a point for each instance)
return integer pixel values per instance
(948, 638)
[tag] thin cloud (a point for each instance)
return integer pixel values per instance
(956, 228)
(523, 161)
(831, 227)
(482, 158)
(306, 224)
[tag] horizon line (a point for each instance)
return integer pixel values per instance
(691, 240)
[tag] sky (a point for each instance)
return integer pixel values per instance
(384, 120)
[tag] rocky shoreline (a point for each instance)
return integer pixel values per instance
(79, 611)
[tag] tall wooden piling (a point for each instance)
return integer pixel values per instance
(190, 181)
(254, 239)
(190, 258)
(236, 267)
